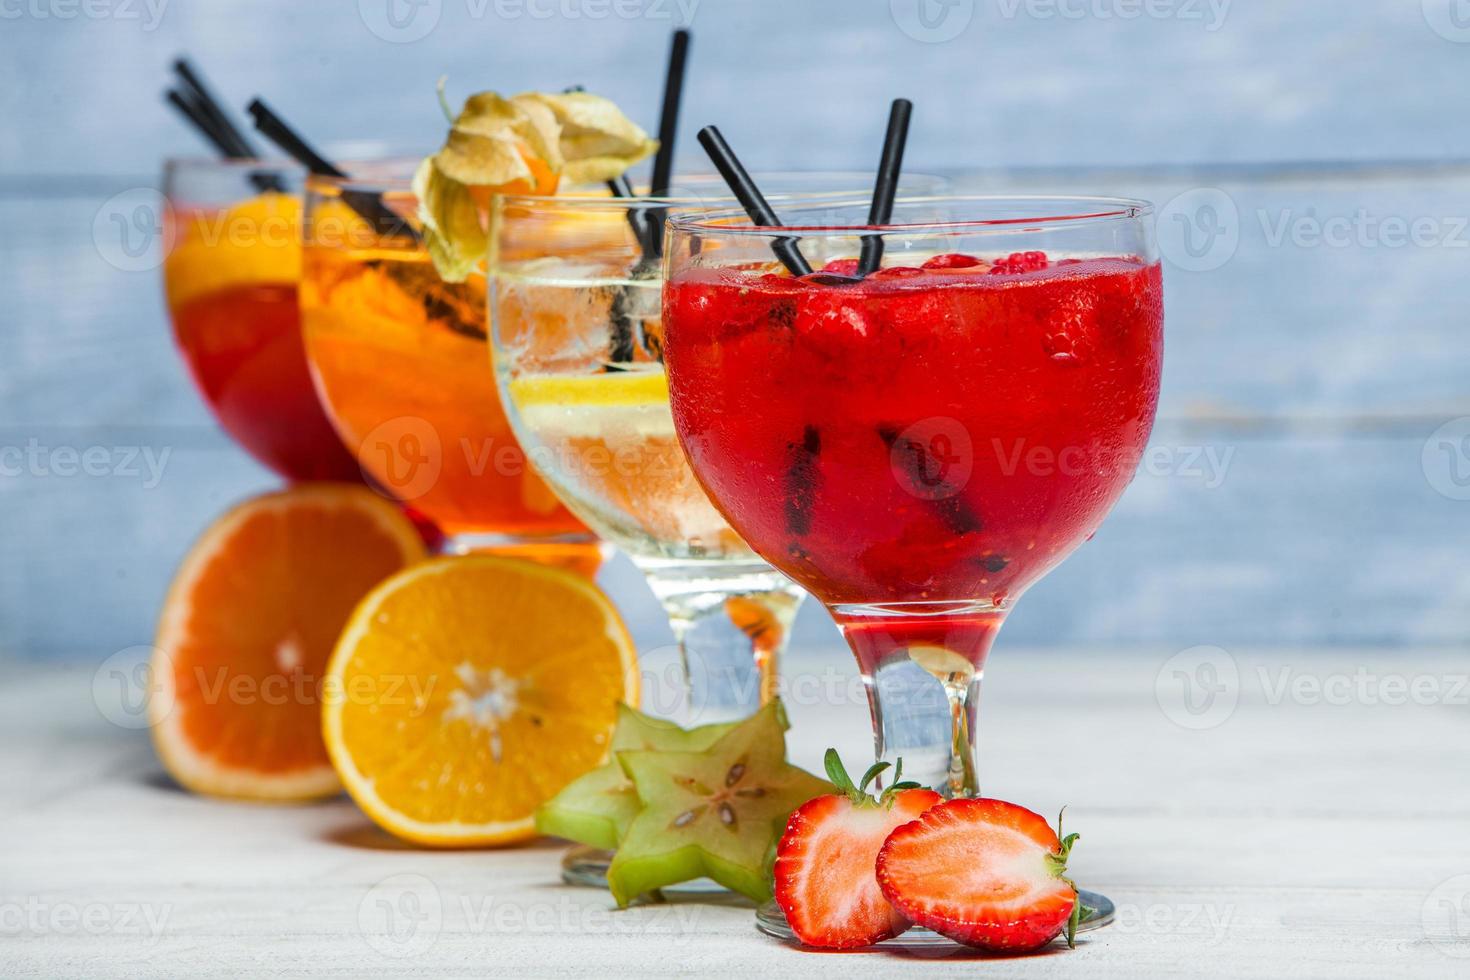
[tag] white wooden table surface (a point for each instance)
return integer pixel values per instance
(1315, 829)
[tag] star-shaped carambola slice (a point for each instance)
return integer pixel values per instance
(715, 813)
(597, 808)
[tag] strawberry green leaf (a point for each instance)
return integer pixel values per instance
(874, 771)
(837, 772)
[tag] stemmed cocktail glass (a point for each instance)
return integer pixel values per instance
(919, 446)
(575, 298)
(231, 277)
(398, 356)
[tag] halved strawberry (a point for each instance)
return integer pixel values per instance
(985, 873)
(824, 863)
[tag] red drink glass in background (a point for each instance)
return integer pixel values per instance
(231, 277)
(919, 447)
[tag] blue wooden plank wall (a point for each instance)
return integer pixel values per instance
(1310, 483)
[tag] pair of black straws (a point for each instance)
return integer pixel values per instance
(198, 105)
(880, 212)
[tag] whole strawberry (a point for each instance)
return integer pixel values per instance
(985, 873)
(824, 863)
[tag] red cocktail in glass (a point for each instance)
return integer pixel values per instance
(918, 447)
(231, 277)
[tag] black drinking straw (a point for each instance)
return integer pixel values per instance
(198, 105)
(196, 117)
(638, 219)
(624, 339)
(212, 109)
(668, 122)
(368, 206)
(668, 131)
(886, 185)
(274, 128)
(751, 198)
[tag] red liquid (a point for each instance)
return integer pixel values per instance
(921, 437)
(243, 345)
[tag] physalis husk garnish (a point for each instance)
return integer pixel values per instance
(526, 144)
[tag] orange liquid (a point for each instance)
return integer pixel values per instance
(401, 361)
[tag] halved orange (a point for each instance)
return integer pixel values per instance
(246, 630)
(472, 690)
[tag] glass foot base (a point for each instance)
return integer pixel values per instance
(770, 920)
(587, 867)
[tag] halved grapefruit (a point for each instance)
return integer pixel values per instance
(249, 622)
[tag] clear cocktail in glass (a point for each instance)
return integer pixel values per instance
(577, 337)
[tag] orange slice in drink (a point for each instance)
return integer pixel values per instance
(246, 631)
(472, 690)
(255, 242)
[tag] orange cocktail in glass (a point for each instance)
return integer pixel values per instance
(398, 356)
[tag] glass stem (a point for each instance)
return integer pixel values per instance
(730, 635)
(922, 664)
(963, 780)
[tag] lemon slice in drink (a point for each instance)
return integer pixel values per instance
(624, 466)
(615, 389)
(255, 241)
